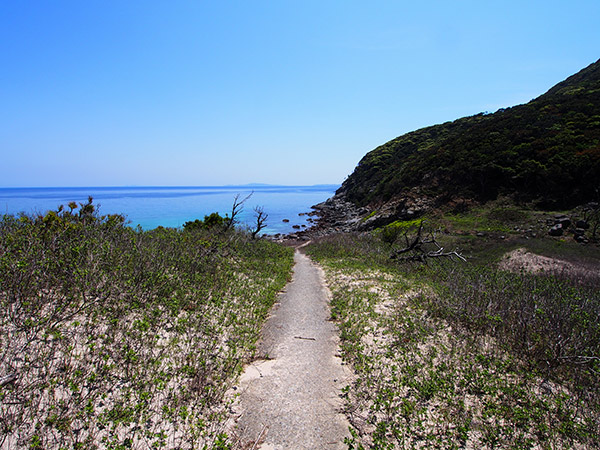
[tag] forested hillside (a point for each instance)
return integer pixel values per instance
(547, 151)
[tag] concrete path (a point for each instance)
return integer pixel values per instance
(290, 399)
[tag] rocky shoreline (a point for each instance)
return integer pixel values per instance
(338, 215)
(334, 215)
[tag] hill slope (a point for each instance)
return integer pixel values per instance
(547, 151)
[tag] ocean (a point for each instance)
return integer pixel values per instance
(150, 207)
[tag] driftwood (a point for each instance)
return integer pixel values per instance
(416, 246)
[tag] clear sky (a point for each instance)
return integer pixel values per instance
(202, 92)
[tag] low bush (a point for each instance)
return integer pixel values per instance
(449, 354)
(113, 337)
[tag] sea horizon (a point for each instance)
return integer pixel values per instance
(172, 206)
(172, 186)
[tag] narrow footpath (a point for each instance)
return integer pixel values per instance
(291, 398)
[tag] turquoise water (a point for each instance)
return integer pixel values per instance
(150, 207)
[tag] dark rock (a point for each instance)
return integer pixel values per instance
(286, 220)
(480, 234)
(579, 232)
(296, 227)
(337, 214)
(556, 230)
(378, 220)
(582, 224)
(562, 220)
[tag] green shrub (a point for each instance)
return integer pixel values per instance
(213, 220)
(452, 355)
(126, 335)
(391, 232)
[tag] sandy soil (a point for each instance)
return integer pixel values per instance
(290, 399)
(521, 259)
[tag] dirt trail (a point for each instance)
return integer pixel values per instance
(290, 400)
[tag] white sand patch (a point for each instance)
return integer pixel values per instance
(522, 259)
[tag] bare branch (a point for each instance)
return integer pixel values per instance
(261, 220)
(236, 210)
(8, 379)
(419, 253)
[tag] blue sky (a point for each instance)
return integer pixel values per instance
(113, 93)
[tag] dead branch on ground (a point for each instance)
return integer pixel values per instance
(419, 248)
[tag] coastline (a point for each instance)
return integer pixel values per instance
(171, 206)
